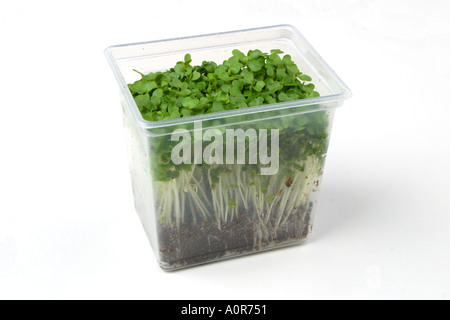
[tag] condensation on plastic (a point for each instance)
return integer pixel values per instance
(162, 55)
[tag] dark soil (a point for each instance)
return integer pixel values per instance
(196, 243)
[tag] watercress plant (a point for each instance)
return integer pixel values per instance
(236, 206)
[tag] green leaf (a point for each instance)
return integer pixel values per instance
(196, 75)
(156, 100)
(235, 68)
(163, 107)
(270, 71)
(240, 98)
(142, 86)
(172, 108)
(175, 114)
(217, 107)
(187, 58)
(254, 54)
(288, 81)
(221, 73)
(269, 99)
(293, 96)
(238, 84)
(275, 60)
(222, 96)
(201, 85)
(305, 77)
(247, 77)
(226, 88)
(274, 86)
(186, 113)
(210, 67)
(276, 51)
(241, 56)
(259, 86)
(190, 103)
(309, 88)
(256, 65)
(287, 59)
(292, 69)
(256, 102)
(176, 83)
(234, 91)
(142, 101)
(164, 82)
(179, 68)
(151, 76)
(241, 105)
(203, 101)
(185, 92)
(281, 74)
(237, 53)
(283, 97)
(158, 93)
(149, 85)
(153, 116)
(189, 70)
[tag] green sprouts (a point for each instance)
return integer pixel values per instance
(242, 81)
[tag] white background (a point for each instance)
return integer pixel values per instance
(67, 223)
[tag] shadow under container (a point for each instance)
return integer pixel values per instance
(199, 212)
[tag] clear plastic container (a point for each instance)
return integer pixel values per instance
(199, 213)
